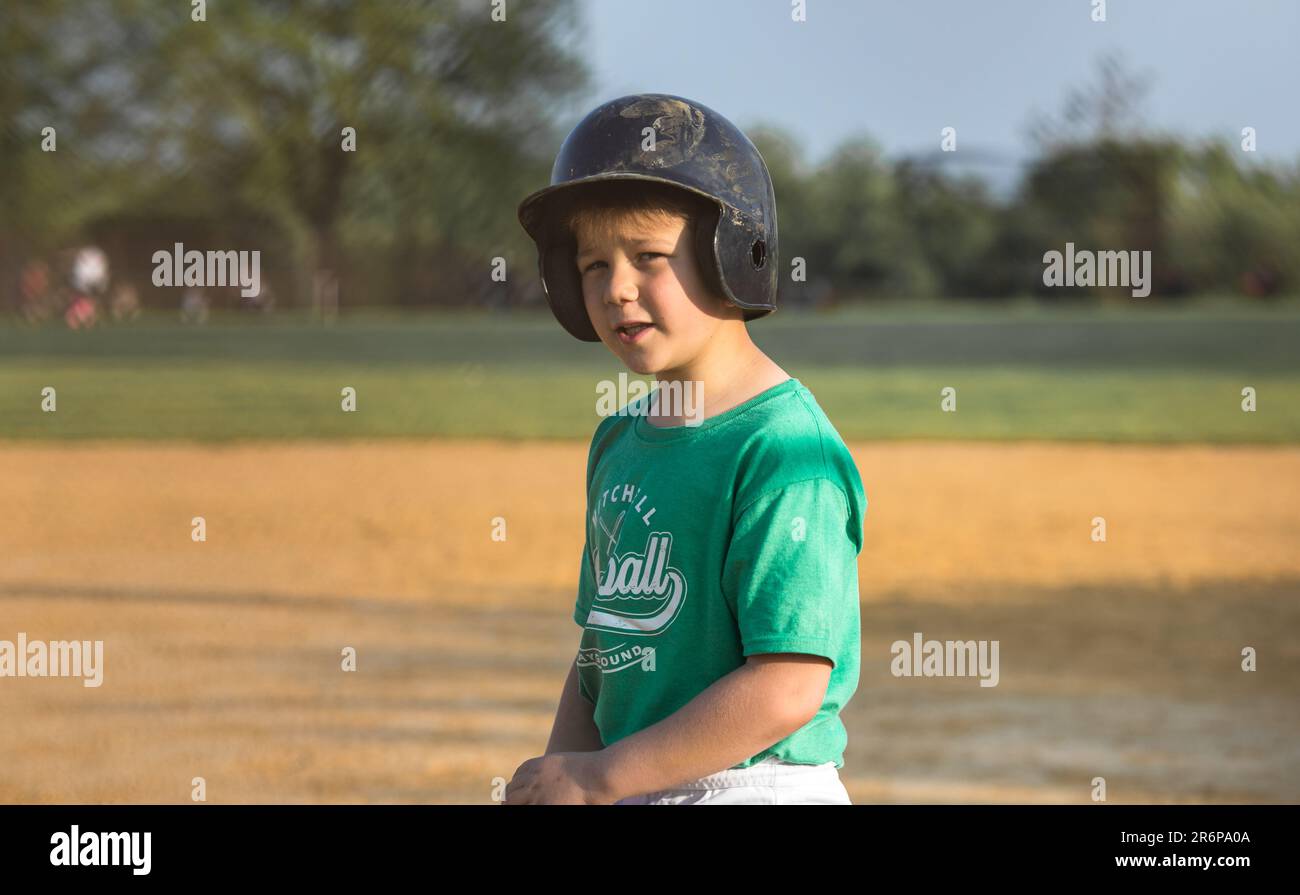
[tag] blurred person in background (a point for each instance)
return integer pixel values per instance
(125, 303)
(34, 291)
(90, 271)
(262, 302)
(82, 312)
(194, 306)
(89, 277)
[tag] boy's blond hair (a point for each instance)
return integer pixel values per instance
(599, 210)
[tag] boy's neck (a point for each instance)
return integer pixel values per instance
(730, 372)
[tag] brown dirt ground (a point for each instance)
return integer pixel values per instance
(1118, 659)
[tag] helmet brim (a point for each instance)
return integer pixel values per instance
(532, 210)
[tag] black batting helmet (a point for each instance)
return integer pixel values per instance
(690, 147)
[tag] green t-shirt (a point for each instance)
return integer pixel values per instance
(714, 542)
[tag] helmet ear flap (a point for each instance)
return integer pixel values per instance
(559, 275)
(705, 243)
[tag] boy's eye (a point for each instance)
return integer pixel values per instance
(645, 255)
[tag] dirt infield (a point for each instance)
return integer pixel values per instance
(1118, 659)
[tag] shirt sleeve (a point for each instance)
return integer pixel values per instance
(791, 573)
(586, 582)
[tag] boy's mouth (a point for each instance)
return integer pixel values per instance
(630, 333)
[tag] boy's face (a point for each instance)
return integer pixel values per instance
(645, 271)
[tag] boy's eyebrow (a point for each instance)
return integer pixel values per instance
(634, 240)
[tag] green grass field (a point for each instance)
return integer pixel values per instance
(1020, 373)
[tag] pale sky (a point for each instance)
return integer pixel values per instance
(900, 70)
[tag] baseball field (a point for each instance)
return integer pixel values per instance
(373, 530)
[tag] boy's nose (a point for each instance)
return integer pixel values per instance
(622, 284)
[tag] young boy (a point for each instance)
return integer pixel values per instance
(718, 591)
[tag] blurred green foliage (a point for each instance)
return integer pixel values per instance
(1215, 222)
(227, 133)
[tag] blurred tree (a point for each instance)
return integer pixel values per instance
(859, 232)
(1105, 110)
(240, 118)
(1235, 227)
(27, 182)
(796, 217)
(954, 223)
(1108, 195)
(1101, 182)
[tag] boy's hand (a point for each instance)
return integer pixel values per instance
(561, 778)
